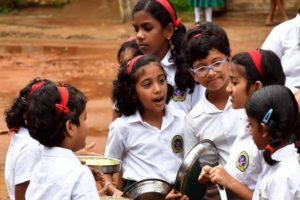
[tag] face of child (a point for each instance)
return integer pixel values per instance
(126, 55)
(151, 88)
(212, 80)
(80, 132)
(151, 37)
(256, 132)
(237, 87)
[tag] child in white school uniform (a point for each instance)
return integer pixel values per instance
(24, 151)
(273, 118)
(148, 136)
(57, 119)
(284, 40)
(208, 52)
(160, 32)
(248, 72)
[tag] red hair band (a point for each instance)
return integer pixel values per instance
(256, 57)
(297, 143)
(35, 86)
(13, 129)
(131, 38)
(166, 4)
(64, 94)
(131, 63)
(197, 35)
(271, 149)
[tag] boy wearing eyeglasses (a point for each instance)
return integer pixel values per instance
(208, 53)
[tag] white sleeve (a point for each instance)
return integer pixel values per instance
(85, 187)
(115, 147)
(273, 42)
(28, 158)
(189, 135)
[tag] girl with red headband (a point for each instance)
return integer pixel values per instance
(248, 72)
(273, 118)
(57, 119)
(149, 133)
(160, 32)
(24, 151)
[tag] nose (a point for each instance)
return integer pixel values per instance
(140, 35)
(157, 88)
(210, 72)
(229, 88)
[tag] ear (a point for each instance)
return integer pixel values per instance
(264, 130)
(70, 128)
(168, 31)
(257, 85)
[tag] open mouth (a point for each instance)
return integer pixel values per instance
(158, 100)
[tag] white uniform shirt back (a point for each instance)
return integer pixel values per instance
(206, 121)
(284, 40)
(59, 175)
(182, 100)
(282, 180)
(245, 160)
(146, 151)
(23, 154)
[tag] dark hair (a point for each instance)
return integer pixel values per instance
(129, 44)
(183, 78)
(46, 123)
(201, 39)
(284, 120)
(15, 115)
(124, 93)
(271, 67)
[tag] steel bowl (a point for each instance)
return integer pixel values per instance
(103, 164)
(148, 189)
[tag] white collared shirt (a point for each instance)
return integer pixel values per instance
(182, 100)
(282, 180)
(284, 40)
(146, 151)
(206, 121)
(245, 160)
(60, 175)
(23, 154)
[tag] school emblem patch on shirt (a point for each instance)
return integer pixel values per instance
(242, 161)
(179, 94)
(177, 144)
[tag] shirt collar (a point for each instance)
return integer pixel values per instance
(60, 152)
(136, 117)
(166, 60)
(284, 152)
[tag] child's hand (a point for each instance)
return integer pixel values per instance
(176, 195)
(219, 175)
(87, 150)
(204, 176)
(117, 193)
(98, 176)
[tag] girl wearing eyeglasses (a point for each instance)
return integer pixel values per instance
(213, 117)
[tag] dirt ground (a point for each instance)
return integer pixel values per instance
(78, 44)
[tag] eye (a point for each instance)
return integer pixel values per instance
(162, 80)
(148, 27)
(218, 63)
(136, 29)
(146, 84)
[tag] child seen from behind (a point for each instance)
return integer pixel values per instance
(57, 119)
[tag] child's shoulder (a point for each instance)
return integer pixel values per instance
(124, 121)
